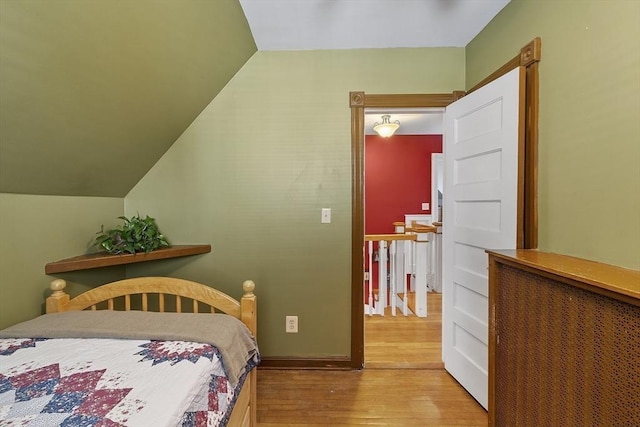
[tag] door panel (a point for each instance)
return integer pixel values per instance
(480, 212)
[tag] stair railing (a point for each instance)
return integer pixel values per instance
(391, 247)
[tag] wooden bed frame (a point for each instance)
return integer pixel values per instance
(171, 291)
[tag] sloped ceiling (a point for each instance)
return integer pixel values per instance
(92, 93)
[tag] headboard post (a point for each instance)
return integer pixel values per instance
(248, 307)
(58, 298)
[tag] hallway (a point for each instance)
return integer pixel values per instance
(405, 342)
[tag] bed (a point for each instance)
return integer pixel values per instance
(136, 352)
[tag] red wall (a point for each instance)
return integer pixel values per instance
(397, 178)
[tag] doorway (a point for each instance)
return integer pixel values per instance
(528, 57)
(360, 101)
(399, 185)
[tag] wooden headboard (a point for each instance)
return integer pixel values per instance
(157, 294)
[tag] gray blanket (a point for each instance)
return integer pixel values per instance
(228, 334)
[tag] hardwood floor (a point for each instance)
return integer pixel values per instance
(402, 342)
(383, 397)
(403, 383)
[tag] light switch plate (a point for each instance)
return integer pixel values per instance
(425, 206)
(325, 217)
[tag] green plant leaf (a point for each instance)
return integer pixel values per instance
(135, 235)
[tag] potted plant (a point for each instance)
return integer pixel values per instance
(135, 235)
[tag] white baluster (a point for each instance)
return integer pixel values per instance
(421, 247)
(392, 277)
(369, 278)
(414, 262)
(405, 289)
(430, 252)
(402, 265)
(382, 276)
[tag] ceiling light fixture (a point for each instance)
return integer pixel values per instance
(386, 128)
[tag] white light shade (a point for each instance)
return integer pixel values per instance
(386, 128)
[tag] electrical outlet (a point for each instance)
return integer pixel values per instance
(425, 206)
(291, 324)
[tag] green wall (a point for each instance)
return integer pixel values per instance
(36, 230)
(589, 145)
(102, 88)
(252, 172)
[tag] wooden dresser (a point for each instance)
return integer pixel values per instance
(564, 341)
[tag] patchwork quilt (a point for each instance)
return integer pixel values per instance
(114, 382)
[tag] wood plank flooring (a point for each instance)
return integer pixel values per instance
(383, 397)
(403, 383)
(403, 342)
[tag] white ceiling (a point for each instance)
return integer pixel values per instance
(356, 24)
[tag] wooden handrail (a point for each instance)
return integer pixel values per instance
(416, 227)
(377, 237)
(421, 229)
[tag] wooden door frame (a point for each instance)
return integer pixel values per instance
(528, 57)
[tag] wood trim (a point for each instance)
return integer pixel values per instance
(457, 94)
(531, 158)
(432, 100)
(531, 52)
(330, 363)
(510, 65)
(529, 56)
(356, 99)
(103, 259)
(357, 229)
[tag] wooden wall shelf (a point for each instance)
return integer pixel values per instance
(103, 259)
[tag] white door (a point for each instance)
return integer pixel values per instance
(481, 141)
